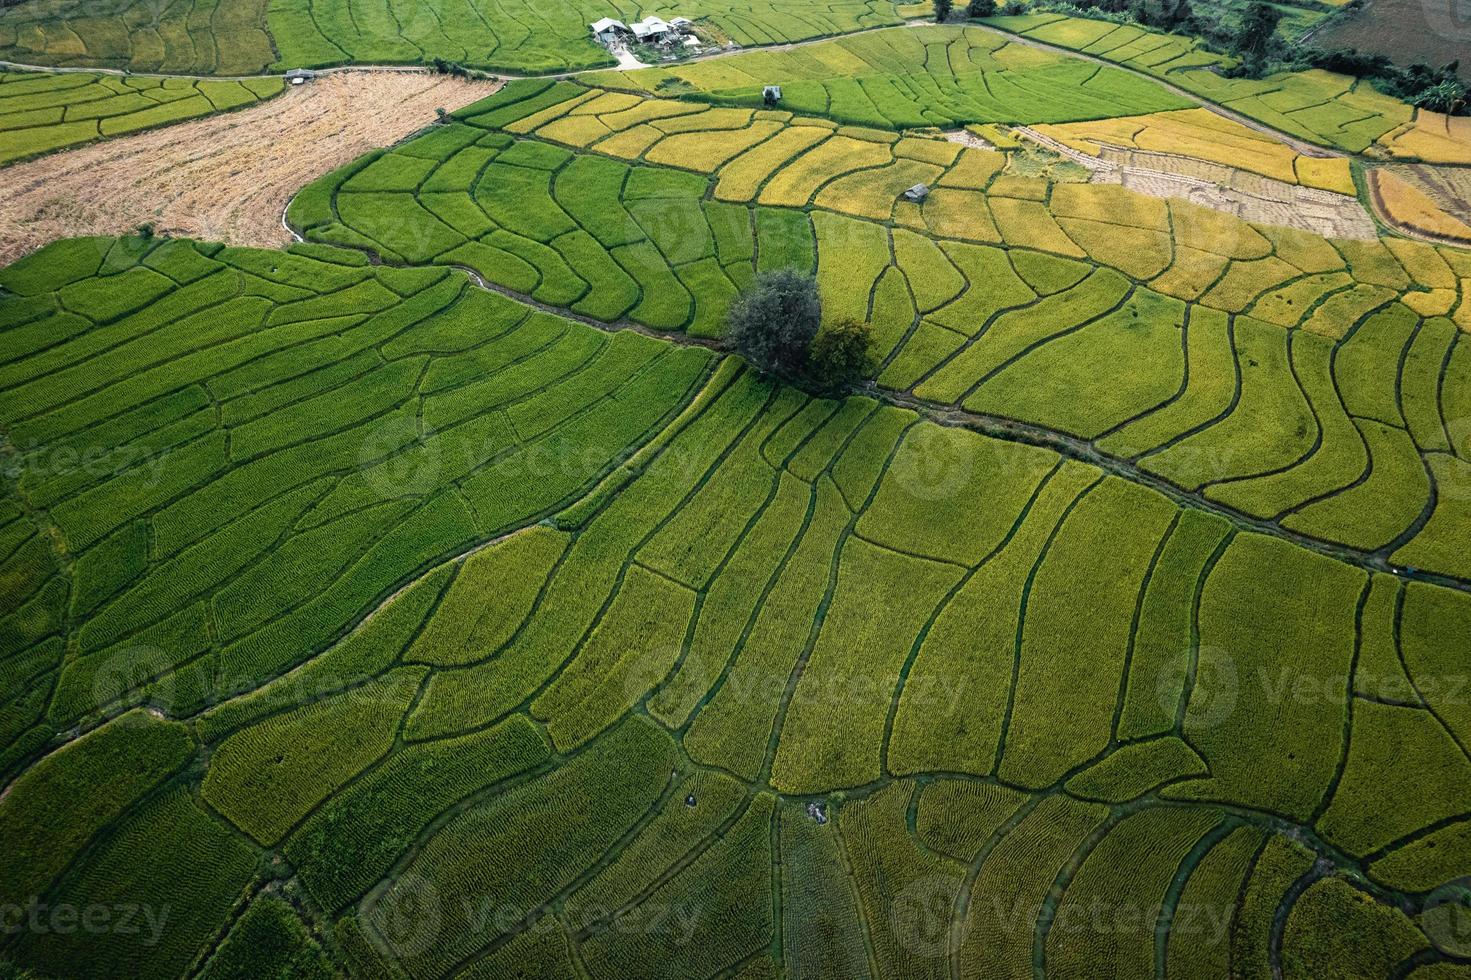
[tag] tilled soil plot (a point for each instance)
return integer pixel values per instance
(225, 178)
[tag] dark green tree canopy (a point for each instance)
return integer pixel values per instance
(773, 323)
(841, 354)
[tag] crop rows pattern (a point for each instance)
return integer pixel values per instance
(1285, 376)
(208, 37)
(199, 37)
(401, 621)
(774, 600)
(921, 76)
(39, 113)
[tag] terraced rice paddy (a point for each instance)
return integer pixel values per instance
(1433, 138)
(518, 35)
(924, 76)
(438, 597)
(713, 585)
(1317, 106)
(43, 112)
(974, 305)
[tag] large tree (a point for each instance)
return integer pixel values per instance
(1254, 37)
(772, 324)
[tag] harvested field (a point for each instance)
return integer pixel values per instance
(1408, 31)
(1432, 137)
(1243, 193)
(1432, 202)
(1199, 134)
(225, 178)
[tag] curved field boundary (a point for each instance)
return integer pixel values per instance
(992, 360)
(38, 119)
(769, 526)
(1399, 222)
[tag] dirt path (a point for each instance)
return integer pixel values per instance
(222, 178)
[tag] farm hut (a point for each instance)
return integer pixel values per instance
(772, 94)
(682, 23)
(608, 30)
(651, 29)
(917, 193)
(299, 76)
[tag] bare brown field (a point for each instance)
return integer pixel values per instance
(225, 178)
(1436, 32)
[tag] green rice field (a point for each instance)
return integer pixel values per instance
(210, 37)
(1330, 110)
(44, 112)
(440, 595)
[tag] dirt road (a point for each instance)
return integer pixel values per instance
(223, 178)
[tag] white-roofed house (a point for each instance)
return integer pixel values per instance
(651, 29)
(608, 30)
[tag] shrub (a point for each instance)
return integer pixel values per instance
(1448, 96)
(841, 354)
(773, 323)
(981, 8)
(942, 10)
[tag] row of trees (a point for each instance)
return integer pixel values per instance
(1256, 43)
(978, 8)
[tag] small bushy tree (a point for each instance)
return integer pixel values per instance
(981, 8)
(942, 10)
(773, 323)
(841, 354)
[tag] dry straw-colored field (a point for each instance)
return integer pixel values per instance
(225, 178)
